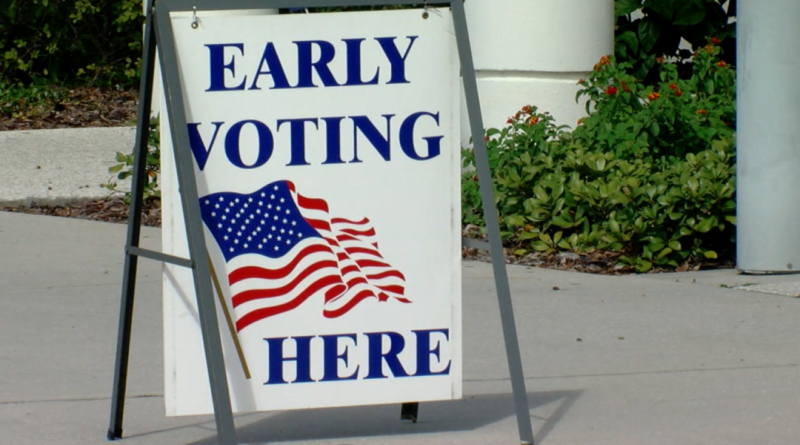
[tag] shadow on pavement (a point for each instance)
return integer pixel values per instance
(471, 413)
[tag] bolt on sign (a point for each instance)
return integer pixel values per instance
(326, 153)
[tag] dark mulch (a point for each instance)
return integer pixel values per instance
(113, 210)
(602, 262)
(599, 262)
(74, 107)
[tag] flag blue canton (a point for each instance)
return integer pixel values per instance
(266, 222)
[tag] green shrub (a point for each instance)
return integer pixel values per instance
(70, 41)
(649, 174)
(671, 118)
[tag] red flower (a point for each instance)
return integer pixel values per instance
(702, 112)
(605, 60)
(612, 90)
(660, 59)
(722, 64)
(626, 87)
(509, 121)
(534, 120)
(715, 41)
(486, 139)
(653, 96)
(673, 87)
(678, 93)
(526, 109)
(580, 121)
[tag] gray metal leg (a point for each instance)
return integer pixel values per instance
(206, 305)
(492, 226)
(134, 230)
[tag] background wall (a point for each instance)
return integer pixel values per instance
(533, 52)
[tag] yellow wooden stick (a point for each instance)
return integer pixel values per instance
(228, 318)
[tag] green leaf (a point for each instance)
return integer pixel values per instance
(541, 194)
(625, 7)
(649, 31)
(705, 225)
(709, 84)
(710, 254)
(629, 39)
(116, 168)
(675, 245)
(515, 220)
(121, 157)
(643, 266)
(731, 219)
(690, 12)
(520, 252)
(540, 246)
(693, 184)
(654, 128)
(664, 253)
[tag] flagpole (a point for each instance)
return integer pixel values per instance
(228, 318)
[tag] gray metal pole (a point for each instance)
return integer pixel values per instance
(206, 305)
(492, 226)
(134, 230)
(768, 136)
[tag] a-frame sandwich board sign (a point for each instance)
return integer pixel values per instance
(189, 148)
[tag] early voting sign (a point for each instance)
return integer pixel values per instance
(326, 155)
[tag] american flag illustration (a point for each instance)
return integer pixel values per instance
(283, 248)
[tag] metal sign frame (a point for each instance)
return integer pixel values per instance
(159, 34)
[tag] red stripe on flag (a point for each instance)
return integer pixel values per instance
(358, 298)
(255, 294)
(368, 232)
(371, 263)
(364, 250)
(346, 238)
(395, 289)
(244, 273)
(387, 274)
(312, 203)
(348, 221)
(319, 224)
(335, 292)
(356, 280)
(349, 269)
(260, 314)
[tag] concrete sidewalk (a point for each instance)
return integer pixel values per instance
(57, 166)
(654, 359)
(685, 358)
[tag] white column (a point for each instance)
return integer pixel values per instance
(534, 52)
(768, 136)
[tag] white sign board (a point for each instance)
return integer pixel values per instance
(326, 150)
